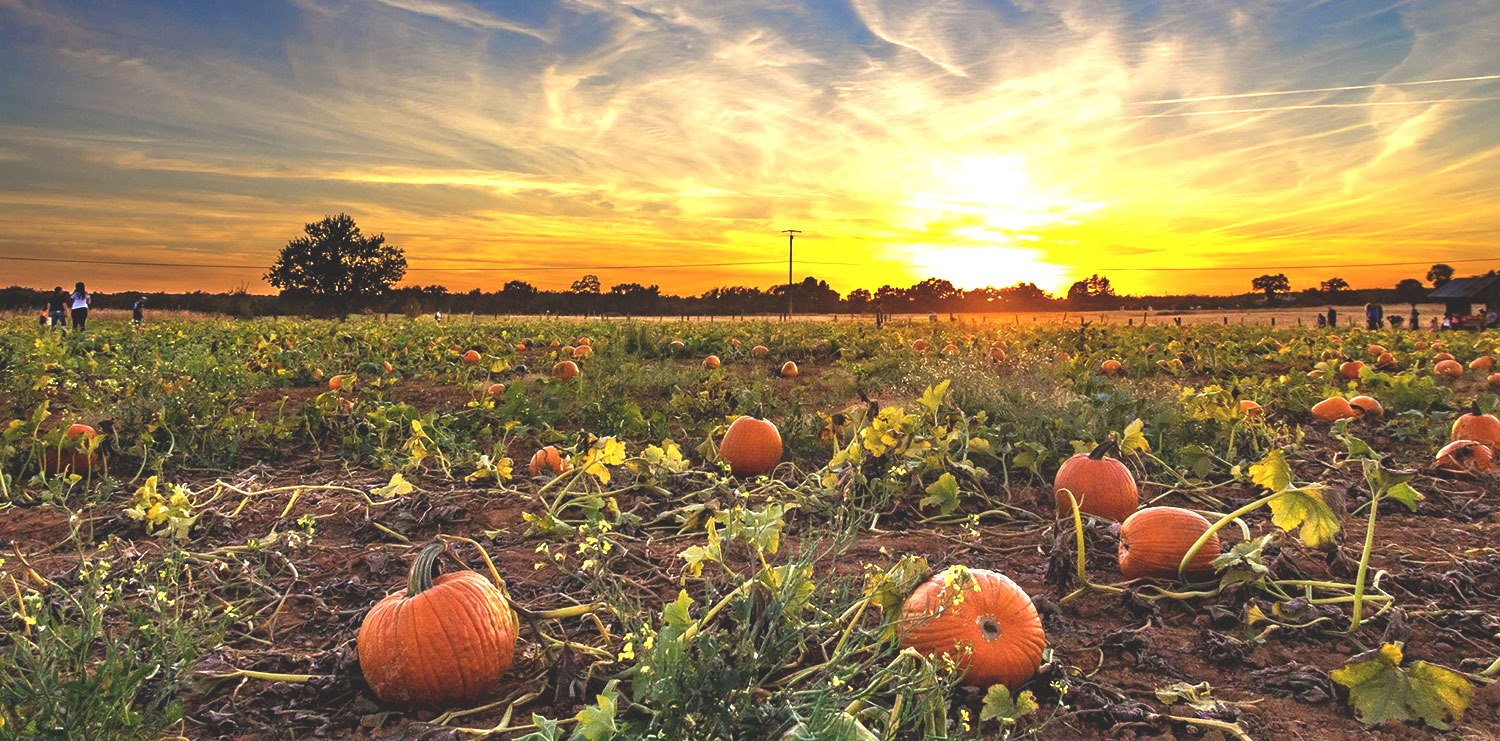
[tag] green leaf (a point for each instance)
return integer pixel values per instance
(932, 398)
(398, 486)
(1404, 494)
(942, 494)
(675, 616)
(1381, 690)
(999, 705)
(597, 722)
(546, 730)
(1272, 471)
(1200, 695)
(1305, 507)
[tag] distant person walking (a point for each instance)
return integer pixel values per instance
(57, 307)
(1414, 318)
(138, 311)
(81, 300)
(1374, 316)
(1333, 318)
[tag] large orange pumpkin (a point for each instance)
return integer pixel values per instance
(1448, 369)
(440, 642)
(1351, 369)
(1111, 367)
(980, 620)
(1466, 456)
(471, 357)
(565, 370)
(1386, 361)
(1154, 540)
(1333, 409)
(549, 460)
(74, 454)
(751, 447)
(583, 351)
(1369, 407)
(759, 351)
(1102, 485)
(1477, 426)
(1483, 364)
(711, 362)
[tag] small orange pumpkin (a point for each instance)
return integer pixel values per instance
(440, 642)
(1448, 369)
(1111, 367)
(950, 349)
(1376, 350)
(317, 374)
(678, 345)
(520, 347)
(1494, 381)
(565, 370)
(495, 390)
(1440, 357)
(74, 453)
(1477, 426)
(1351, 369)
(336, 383)
(789, 369)
(1154, 540)
(387, 365)
(1333, 409)
(1466, 456)
(751, 447)
(1250, 409)
(1369, 406)
(471, 357)
(1386, 361)
(711, 362)
(585, 342)
(980, 620)
(919, 346)
(549, 460)
(997, 354)
(760, 351)
(583, 351)
(1102, 485)
(1483, 364)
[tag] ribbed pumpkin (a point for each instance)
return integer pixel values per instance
(1102, 485)
(1351, 369)
(1448, 369)
(1111, 367)
(471, 357)
(981, 620)
(74, 453)
(711, 362)
(441, 642)
(1477, 426)
(1154, 540)
(751, 447)
(1333, 409)
(1466, 456)
(549, 460)
(789, 369)
(565, 370)
(1250, 409)
(759, 351)
(1370, 406)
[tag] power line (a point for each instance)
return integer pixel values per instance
(507, 266)
(1301, 267)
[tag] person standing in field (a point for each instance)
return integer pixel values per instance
(57, 307)
(1414, 317)
(81, 300)
(138, 311)
(1333, 318)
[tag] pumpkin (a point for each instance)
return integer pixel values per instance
(760, 351)
(471, 357)
(1351, 369)
(734, 342)
(1111, 367)
(1477, 426)
(997, 354)
(1333, 409)
(1315, 374)
(520, 347)
(554, 344)
(336, 383)
(1440, 357)
(1420, 345)
(1466, 456)
(678, 345)
(1251, 409)
(583, 351)
(1483, 364)
(1440, 346)
(565, 351)
(317, 374)
(1368, 406)
(1376, 350)
(751, 447)
(981, 620)
(495, 389)
(950, 349)
(1063, 357)
(1386, 361)
(565, 370)
(711, 362)
(549, 460)
(789, 369)
(1102, 485)
(1448, 369)
(440, 642)
(1154, 540)
(1494, 381)
(387, 365)
(919, 346)
(74, 453)
(585, 342)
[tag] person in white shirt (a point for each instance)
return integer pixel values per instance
(81, 300)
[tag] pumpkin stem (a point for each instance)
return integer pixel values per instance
(1474, 408)
(423, 568)
(1112, 445)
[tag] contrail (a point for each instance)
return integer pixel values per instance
(1309, 106)
(1165, 101)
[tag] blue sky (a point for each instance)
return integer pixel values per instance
(983, 142)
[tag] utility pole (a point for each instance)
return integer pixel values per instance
(790, 235)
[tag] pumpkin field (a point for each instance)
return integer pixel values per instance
(528, 528)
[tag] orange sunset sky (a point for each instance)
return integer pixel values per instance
(985, 142)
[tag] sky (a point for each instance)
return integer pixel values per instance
(1175, 146)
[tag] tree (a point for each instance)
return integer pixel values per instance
(859, 298)
(1411, 290)
(1272, 285)
(587, 284)
(1085, 292)
(336, 260)
(1439, 274)
(1334, 285)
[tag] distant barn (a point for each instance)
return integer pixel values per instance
(1459, 295)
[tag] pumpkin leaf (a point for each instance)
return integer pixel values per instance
(942, 494)
(1405, 494)
(1134, 440)
(675, 616)
(398, 487)
(1305, 508)
(546, 730)
(1380, 690)
(1199, 696)
(932, 398)
(597, 722)
(1272, 471)
(999, 705)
